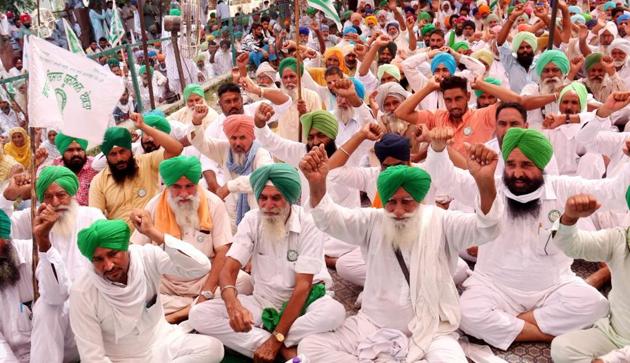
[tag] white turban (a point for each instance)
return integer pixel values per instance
(621, 44)
(390, 89)
(610, 27)
(267, 70)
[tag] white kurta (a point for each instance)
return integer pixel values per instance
(522, 266)
(151, 339)
(387, 301)
(15, 317)
(218, 150)
(289, 121)
(613, 331)
(274, 267)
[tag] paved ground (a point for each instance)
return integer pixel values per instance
(347, 294)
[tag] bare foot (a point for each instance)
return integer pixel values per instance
(600, 277)
(331, 262)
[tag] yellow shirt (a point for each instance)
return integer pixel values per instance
(118, 200)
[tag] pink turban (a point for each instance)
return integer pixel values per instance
(234, 124)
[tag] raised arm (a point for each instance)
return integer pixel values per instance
(171, 146)
(371, 131)
(367, 61)
(407, 110)
(507, 95)
(505, 30)
(286, 150)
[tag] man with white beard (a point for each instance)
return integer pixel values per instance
(192, 214)
(601, 76)
(288, 122)
(619, 50)
(237, 158)
(522, 288)
(16, 290)
(57, 222)
(290, 299)
(410, 300)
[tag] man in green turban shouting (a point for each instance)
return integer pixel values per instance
(411, 250)
(130, 181)
(74, 157)
(116, 307)
(198, 217)
(57, 221)
(539, 277)
(290, 278)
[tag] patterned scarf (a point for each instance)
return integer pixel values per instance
(242, 206)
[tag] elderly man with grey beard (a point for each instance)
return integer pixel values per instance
(198, 217)
(410, 309)
(55, 228)
(16, 292)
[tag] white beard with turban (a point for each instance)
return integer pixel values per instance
(344, 114)
(185, 211)
(65, 225)
(550, 85)
(274, 224)
(394, 124)
(402, 233)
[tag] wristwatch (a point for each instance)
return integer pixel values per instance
(207, 294)
(279, 336)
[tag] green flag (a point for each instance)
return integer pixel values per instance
(328, 8)
(117, 31)
(74, 45)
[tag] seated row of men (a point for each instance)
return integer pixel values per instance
(102, 299)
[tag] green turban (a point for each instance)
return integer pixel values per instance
(552, 56)
(289, 63)
(322, 120)
(627, 197)
(193, 88)
(460, 45)
(427, 29)
(116, 136)
(490, 80)
(283, 176)
(174, 168)
(311, 11)
(424, 16)
(580, 91)
(113, 62)
(158, 122)
(175, 12)
(5, 225)
(62, 142)
(591, 60)
(143, 70)
(533, 144)
(413, 180)
(59, 175)
(526, 37)
(113, 234)
(390, 69)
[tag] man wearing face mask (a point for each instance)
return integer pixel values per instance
(523, 288)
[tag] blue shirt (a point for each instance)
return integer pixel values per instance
(515, 72)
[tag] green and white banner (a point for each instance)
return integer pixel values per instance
(69, 91)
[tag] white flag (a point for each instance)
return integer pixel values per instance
(69, 91)
(74, 44)
(117, 32)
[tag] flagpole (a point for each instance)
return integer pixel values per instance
(298, 59)
(34, 253)
(146, 52)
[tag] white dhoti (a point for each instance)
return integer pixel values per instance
(211, 318)
(179, 295)
(52, 339)
(190, 348)
(341, 345)
(351, 267)
(489, 311)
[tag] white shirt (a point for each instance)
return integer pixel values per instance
(275, 263)
(222, 62)
(92, 317)
(15, 317)
(63, 263)
(386, 298)
(522, 257)
(8, 122)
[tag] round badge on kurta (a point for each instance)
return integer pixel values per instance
(142, 193)
(554, 215)
(468, 130)
(200, 239)
(292, 255)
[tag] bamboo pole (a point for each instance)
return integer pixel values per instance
(552, 25)
(146, 52)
